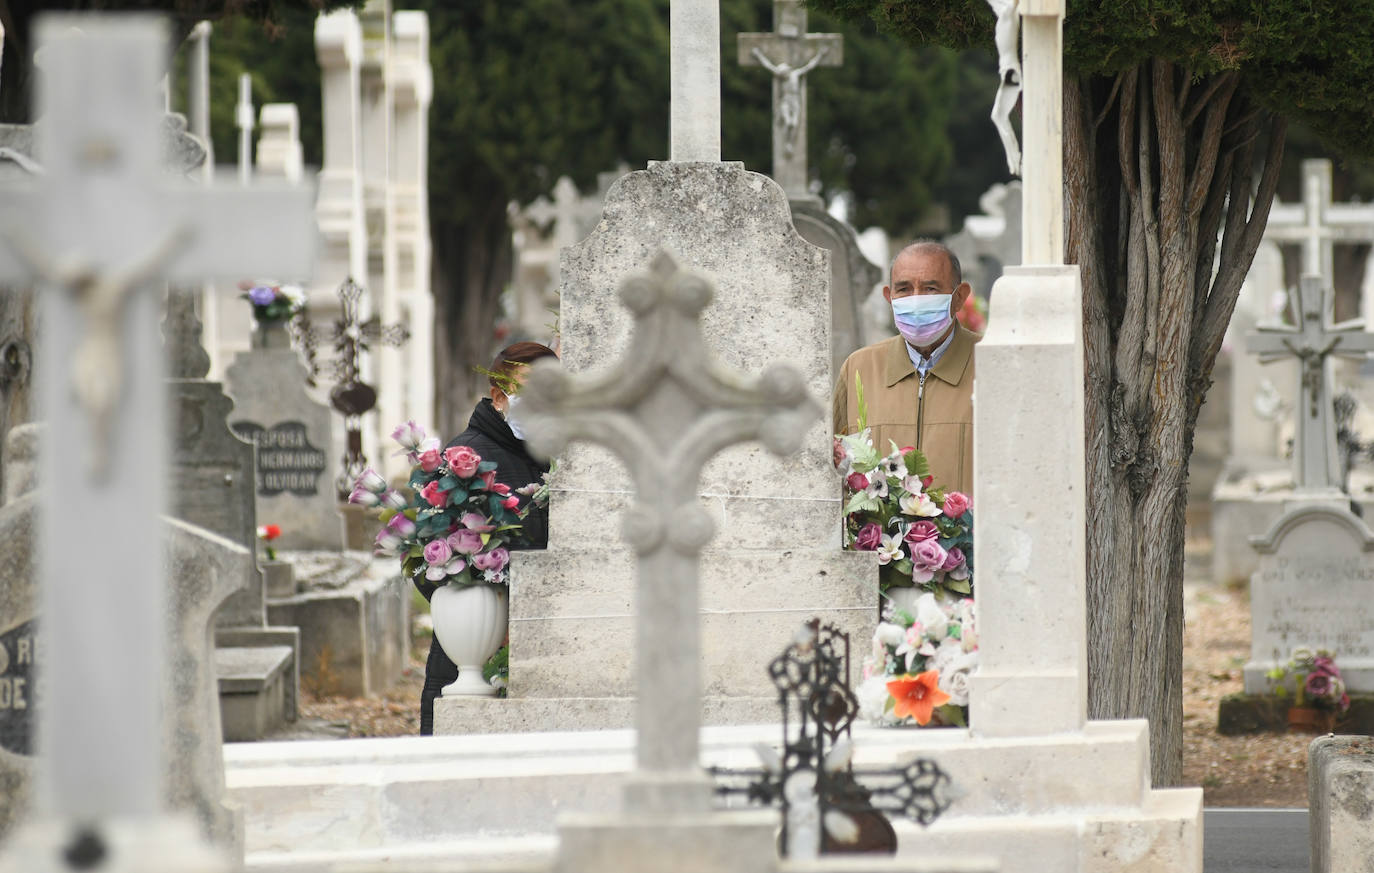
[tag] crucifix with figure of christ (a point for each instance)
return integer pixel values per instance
(789, 53)
(102, 232)
(1314, 342)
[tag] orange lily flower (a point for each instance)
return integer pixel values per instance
(917, 696)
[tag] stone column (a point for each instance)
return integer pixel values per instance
(339, 209)
(413, 88)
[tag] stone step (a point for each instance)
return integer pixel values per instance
(362, 795)
(256, 690)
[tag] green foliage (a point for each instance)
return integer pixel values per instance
(1309, 60)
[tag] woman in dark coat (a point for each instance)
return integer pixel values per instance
(491, 436)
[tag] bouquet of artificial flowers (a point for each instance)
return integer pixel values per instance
(271, 301)
(923, 534)
(920, 665)
(1313, 679)
(460, 521)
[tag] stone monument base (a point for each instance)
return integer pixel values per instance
(491, 715)
(353, 612)
(1025, 801)
(1260, 713)
(1340, 785)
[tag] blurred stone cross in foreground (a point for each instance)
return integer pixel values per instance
(1315, 340)
(102, 232)
(666, 409)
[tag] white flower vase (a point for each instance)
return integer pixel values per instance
(470, 623)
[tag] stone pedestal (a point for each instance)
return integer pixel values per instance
(1029, 455)
(1340, 797)
(353, 613)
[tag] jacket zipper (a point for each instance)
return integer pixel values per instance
(920, 409)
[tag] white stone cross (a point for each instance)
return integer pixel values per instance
(1317, 223)
(1042, 129)
(694, 80)
(198, 90)
(667, 408)
(243, 120)
(1316, 466)
(569, 211)
(103, 231)
(789, 53)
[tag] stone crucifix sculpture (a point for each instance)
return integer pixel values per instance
(666, 409)
(1005, 36)
(1316, 465)
(789, 53)
(103, 230)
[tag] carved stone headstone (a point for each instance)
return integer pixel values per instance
(1314, 588)
(292, 434)
(852, 276)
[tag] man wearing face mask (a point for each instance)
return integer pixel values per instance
(918, 386)
(494, 432)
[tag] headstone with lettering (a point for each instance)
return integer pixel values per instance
(19, 639)
(1315, 589)
(293, 440)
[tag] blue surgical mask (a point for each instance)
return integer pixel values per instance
(511, 404)
(921, 318)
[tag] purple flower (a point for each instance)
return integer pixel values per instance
(1318, 685)
(920, 531)
(371, 480)
(496, 559)
(465, 542)
(401, 526)
(362, 497)
(954, 558)
(1324, 666)
(437, 552)
(478, 522)
(927, 557)
(869, 538)
(409, 435)
(261, 295)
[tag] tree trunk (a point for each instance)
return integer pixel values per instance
(1162, 167)
(472, 266)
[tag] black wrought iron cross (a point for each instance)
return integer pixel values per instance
(350, 338)
(825, 807)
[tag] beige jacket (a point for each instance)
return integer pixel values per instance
(935, 417)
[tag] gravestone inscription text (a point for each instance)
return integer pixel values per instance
(1314, 606)
(18, 651)
(286, 460)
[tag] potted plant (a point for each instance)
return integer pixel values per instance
(452, 533)
(1314, 684)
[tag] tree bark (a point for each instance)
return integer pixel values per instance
(472, 265)
(1161, 166)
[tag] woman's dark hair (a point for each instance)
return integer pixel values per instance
(502, 372)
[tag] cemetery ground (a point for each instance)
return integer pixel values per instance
(1258, 770)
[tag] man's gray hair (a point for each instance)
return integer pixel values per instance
(929, 245)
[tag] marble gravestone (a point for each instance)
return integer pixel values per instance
(292, 434)
(1314, 588)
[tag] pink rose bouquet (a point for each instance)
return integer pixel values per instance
(454, 523)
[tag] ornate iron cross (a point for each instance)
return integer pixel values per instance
(667, 407)
(351, 337)
(813, 780)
